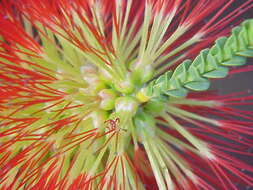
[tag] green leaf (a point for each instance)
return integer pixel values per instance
(197, 63)
(246, 53)
(181, 92)
(216, 50)
(220, 72)
(198, 85)
(180, 72)
(228, 47)
(211, 63)
(235, 61)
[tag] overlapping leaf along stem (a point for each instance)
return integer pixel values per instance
(210, 63)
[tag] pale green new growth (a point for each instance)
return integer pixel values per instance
(210, 63)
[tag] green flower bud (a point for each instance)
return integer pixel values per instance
(125, 87)
(142, 74)
(155, 106)
(144, 123)
(105, 76)
(126, 105)
(108, 97)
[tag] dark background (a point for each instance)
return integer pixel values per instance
(237, 83)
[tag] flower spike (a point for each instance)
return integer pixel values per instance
(97, 94)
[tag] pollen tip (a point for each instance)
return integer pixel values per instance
(207, 154)
(218, 103)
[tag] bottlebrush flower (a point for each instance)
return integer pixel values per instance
(94, 95)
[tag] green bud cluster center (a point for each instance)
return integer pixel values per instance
(122, 99)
